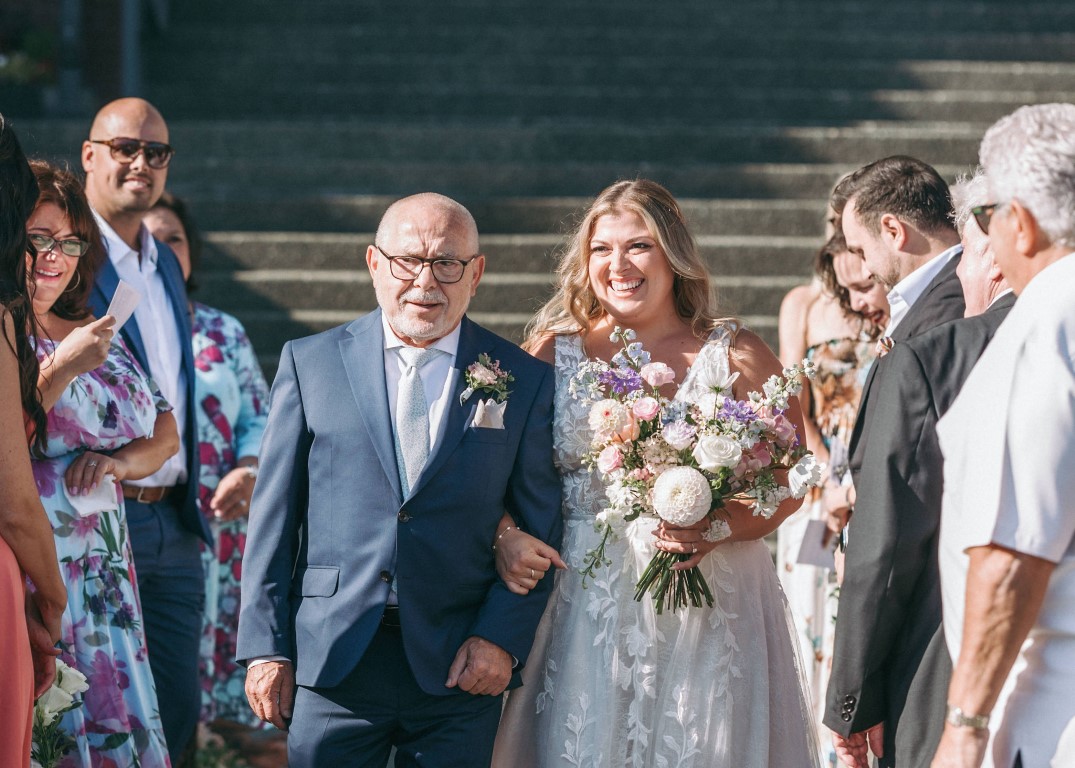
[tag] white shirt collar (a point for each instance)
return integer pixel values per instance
(119, 251)
(910, 289)
(448, 344)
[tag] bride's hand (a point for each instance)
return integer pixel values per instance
(685, 540)
(522, 560)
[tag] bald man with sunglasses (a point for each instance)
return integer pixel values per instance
(126, 157)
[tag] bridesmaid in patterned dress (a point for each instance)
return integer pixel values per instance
(106, 423)
(232, 406)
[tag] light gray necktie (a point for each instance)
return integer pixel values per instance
(412, 417)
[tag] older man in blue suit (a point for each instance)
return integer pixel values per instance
(126, 159)
(372, 615)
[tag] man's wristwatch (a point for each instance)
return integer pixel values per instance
(955, 716)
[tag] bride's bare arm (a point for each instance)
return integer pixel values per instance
(755, 363)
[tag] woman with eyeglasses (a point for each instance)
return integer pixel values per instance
(29, 625)
(106, 423)
(232, 406)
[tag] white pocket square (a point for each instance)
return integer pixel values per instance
(489, 414)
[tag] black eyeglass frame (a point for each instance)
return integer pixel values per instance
(158, 148)
(43, 244)
(983, 215)
(392, 265)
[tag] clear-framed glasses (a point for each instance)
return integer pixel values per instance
(983, 214)
(446, 271)
(73, 248)
(124, 150)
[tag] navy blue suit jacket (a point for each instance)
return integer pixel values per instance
(104, 287)
(328, 517)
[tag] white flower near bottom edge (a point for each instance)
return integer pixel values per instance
(52, 702)
(804, 475)
(682, 496)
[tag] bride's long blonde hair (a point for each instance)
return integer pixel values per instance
(574, 307)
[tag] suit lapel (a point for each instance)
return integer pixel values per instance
(104, 288)
(458, 416)
(363, 359)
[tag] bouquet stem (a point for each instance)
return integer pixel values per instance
(675, 589)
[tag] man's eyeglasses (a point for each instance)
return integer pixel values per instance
(446, 271)
(983, 214)
(158, 154)
(73, 248)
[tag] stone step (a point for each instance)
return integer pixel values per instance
(232, 144)
(700, 103)
(362, 213)
(824, 15)
(1051, 37)
(591, 69)
(284, 257)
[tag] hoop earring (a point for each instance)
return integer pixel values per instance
(77, 283)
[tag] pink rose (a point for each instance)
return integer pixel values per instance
(641, 473)
(656, 374)
(645, 408)
(609, 459)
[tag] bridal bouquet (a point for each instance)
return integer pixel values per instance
(50, 744)
(683, 461)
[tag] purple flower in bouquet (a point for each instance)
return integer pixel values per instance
(620, 381)
(736, 410)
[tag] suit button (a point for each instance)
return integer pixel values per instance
(849, 700)
(403, 516)
(845, 717)
(386, 577)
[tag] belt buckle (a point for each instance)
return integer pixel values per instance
(139, 498)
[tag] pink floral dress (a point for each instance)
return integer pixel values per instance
(231, 399)
(118, 723)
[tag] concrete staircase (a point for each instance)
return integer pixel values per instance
(297, 123)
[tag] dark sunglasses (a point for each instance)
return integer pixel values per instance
(158, 154)
(73, 248)
(983, 214)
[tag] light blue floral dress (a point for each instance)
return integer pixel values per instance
(118, 723)
(232, 400)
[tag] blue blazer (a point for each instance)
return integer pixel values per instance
(328, 518)
(104, 287)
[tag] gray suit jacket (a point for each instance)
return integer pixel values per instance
(890, 661)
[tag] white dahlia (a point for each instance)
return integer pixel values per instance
(682, 496)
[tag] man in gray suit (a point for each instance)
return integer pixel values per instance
(898, 217)
(372, 614)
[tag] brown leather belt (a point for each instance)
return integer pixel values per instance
(147, 495)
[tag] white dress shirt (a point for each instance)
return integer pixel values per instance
(908, 290)
(1009, 480)
(161, 336)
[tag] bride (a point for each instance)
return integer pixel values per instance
(611, 684)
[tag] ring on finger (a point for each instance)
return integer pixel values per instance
(532, 576)
(92, 464)
(242, 502)
(694, 549)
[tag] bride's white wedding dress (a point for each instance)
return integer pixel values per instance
(610, 684)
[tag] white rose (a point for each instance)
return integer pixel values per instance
(54, 701)
(682, 496)
(70, 679)
(804, 475)
(713, 452)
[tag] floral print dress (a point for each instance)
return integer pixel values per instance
(231, 399)
(118, 723)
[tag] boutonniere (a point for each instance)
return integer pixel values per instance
(488, 377)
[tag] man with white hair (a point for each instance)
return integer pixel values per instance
(1008, 523)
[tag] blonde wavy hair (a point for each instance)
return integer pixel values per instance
(574, 307)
